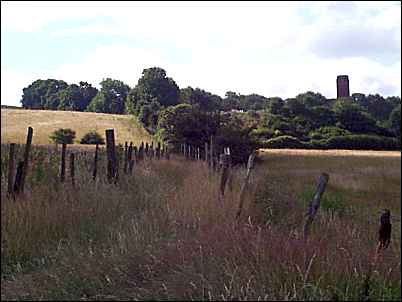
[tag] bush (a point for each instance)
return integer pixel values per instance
(63, 136)
(285, 141)
(363, 142)
(92, 138)
(328, 132)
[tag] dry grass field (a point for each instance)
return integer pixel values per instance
(163, 233)
(14, 124)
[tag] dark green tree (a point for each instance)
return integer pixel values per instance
(63, 136)
(92, 138)
(42, 94)
(111, 97)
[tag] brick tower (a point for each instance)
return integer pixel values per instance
(342, 86)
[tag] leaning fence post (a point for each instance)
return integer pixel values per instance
(125, 157)
(11, 169)
(206, 152)
(250, 166)
(18, 176)
(315, 203)
(26, 159)
(63, 163)
(111, 155)
(72, 172)
(211, 153)
(224, 160)
(95, 162)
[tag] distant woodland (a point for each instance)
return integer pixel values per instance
(243, 122)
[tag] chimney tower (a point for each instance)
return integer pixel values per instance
(342, 86)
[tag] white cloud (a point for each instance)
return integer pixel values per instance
(258, 47)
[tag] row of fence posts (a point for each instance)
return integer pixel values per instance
(132, 155)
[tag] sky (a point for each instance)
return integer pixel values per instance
(269, 48)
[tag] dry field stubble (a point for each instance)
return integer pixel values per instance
(163, 234)
(14, 124)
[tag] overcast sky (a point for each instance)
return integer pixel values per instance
(274, 49)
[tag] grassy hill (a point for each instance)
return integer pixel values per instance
(14, 124)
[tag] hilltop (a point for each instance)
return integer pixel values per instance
(14, 124)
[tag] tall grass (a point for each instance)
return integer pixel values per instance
(163, 234)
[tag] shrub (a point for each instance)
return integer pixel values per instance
(327, 132)
(285, 141)
(363, 142)
(63, 136)
(92, 138)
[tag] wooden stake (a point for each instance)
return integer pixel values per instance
(72, 172)
(11, 170)
(111, 155)
(63, 163)
(250, 166)
(315, 203)
(95, 162)
(26, 159)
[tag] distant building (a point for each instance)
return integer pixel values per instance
(342, 86)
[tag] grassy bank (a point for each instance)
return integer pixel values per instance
(162, 233)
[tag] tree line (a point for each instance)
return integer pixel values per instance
(191, 115)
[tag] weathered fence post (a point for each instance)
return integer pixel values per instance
(206, 152)
(111, 155)
(146, 149)
(63, 162)
(26, 159)
(11, 170)
(130, 157)
(198, 153)
(18, 177)
(72, 172)
(125, 157)
(315, 203)
(211, 152)
(95, 162)
(158, 151)
(250, 166)
(224, 161)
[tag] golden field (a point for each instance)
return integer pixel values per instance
(14, 124)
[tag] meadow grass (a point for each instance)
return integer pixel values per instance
(14, 124)
(164, 234)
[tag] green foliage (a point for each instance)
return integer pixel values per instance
(327, 132)
(261, 134)
(152, 90)
(92, 138)
(43, 94)
(285, 141)
(200, 99)
(111, 98)
(395, 121)
(63, 136)
(362, 142)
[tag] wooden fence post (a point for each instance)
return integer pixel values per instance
(129, 157)
(315, 203)
(63, 162)
(250, 166)
(146, 149)
(11, 170)
(111, 155)
(18, 177)
(26, 159)
(125, 157)
(206, 152)
(72, 172)
(95, 162)
(224, 161)
(211, 152)
(158, 151)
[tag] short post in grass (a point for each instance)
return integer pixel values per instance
(111, 155)
(244, 187)
(63, 162)
(146, 149)
(158, 151)
(125, 158)
(224, 162)
(18, 177)
(198, 153)
(211, 152)
(95, 162)
(315, 203)
(206, 152)
(11, 170)
(26, 159)
(129, 158)
(72, 169)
